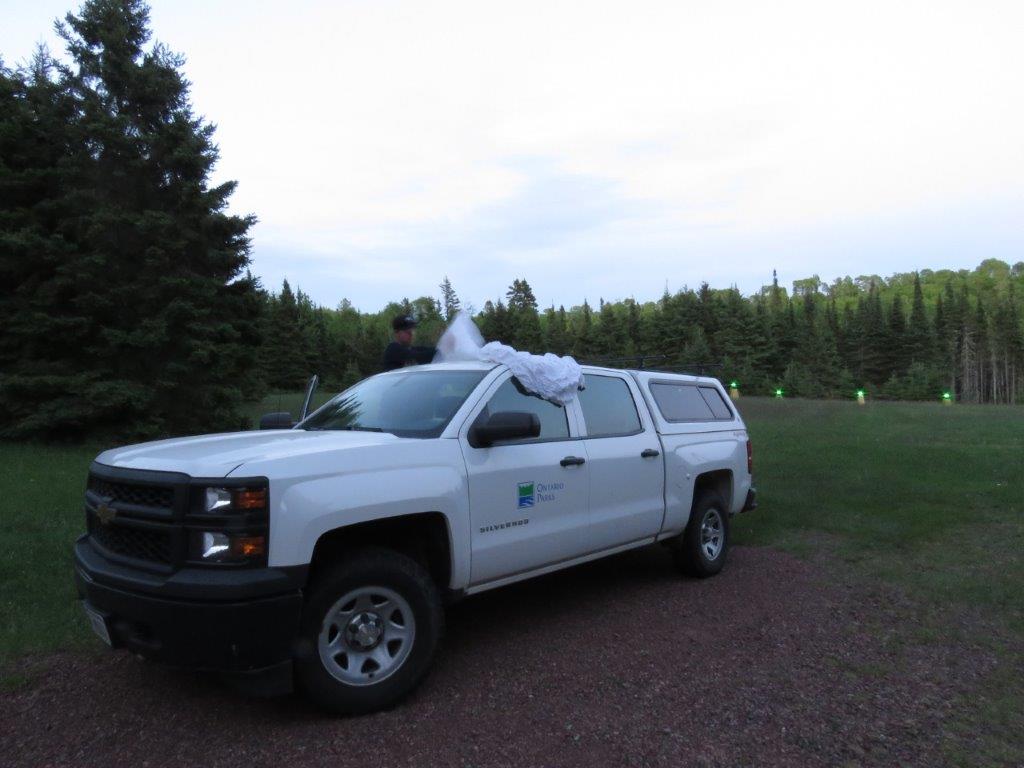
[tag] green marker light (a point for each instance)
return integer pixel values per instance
(734, 384)
(946, 396)
(778, 393)
(860, 393)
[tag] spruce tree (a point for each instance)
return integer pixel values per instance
(734, 327)
(450, 303)
(523, 320)
(143, 322)
(897, 359)
(520, 296)
(486, 321)
(583, 333)
(286, 360)
(707, 314)
(919, 341)
(610, 334)
(557, 331)
(502, 327)
(873, 344)
(634, 333)
(37, 195)
(981, 337)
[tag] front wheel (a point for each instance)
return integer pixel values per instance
(369, 631)
(704, 544)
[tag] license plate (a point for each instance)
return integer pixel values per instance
(98, 622)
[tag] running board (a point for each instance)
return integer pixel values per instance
(505, 580)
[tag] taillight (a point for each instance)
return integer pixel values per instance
(750, 458)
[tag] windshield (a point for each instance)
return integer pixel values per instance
(413, 404)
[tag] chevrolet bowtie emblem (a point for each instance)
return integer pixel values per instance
(105, 513)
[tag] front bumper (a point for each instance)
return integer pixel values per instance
(236, 620)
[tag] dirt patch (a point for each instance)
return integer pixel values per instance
(620, 662)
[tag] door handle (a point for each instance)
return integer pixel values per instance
(572, 461)
(649, 453)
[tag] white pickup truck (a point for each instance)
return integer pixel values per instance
(322, 554)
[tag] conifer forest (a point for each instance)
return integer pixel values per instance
(128, 307)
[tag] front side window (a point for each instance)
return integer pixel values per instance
(608, 407)
(407, 404)
(554, 424)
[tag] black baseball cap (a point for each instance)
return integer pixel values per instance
(404, 323)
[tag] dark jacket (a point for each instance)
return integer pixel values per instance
(398, 356)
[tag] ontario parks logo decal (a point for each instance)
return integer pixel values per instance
(526, 495)
(533, 493)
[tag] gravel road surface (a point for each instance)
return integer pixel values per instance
(616, 663)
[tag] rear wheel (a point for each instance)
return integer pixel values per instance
(369, 631)
(702, 549)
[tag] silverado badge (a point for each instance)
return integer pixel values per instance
(105, 513)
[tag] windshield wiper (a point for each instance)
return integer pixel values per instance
(356, 428)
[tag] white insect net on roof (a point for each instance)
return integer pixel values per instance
(461, 341)
(554, 378)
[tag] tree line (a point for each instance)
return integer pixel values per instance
(127, 309)
(912, 336)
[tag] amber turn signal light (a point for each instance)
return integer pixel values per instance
(250, 499)
(248, 546)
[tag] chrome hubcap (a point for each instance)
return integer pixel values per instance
(712, 534)
(366, 635)
(364, 631)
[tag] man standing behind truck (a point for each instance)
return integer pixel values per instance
(400, 352)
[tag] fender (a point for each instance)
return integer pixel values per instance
(340, 488)
(685, 460)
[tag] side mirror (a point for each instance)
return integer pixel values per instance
(504, 425)
(279, 420)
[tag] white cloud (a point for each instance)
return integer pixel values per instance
(390, 138)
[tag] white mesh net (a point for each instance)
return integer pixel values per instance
(554, 378)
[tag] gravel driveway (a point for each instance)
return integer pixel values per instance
(616, 663)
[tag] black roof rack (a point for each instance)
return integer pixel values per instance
(643, 363)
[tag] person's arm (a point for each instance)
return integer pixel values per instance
(395, 356)
(422, 355)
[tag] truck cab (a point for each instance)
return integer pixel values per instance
(322, 555)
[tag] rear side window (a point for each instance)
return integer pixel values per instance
(608, 407)
(512, 397)
(714, 400)
(686, 402)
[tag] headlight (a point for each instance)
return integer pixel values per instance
(235, 499)
(214, 545)
(226, 547)
(217, 498)
(229, 523)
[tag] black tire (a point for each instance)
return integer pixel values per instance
(690, 554)
(376, 568)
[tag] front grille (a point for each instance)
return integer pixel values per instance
(134, 514)
(155, 496)
(149, 544)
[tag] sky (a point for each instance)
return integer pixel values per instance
(601, 150)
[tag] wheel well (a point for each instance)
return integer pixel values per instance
(719, 481)
(423, 537)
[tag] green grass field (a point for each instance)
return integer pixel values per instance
(927, 498)
(925, 495)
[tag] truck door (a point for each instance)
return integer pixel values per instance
(627, 470)
(527, 498)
